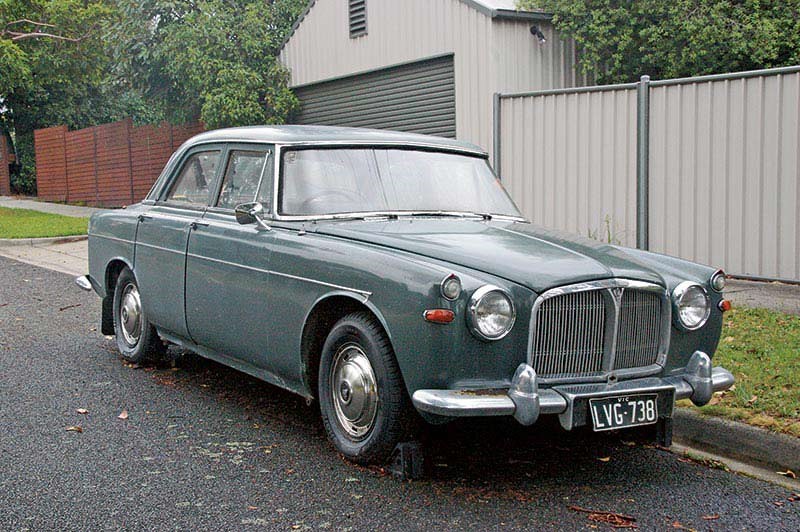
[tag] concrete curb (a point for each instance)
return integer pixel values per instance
(10, 242)
(751, 445)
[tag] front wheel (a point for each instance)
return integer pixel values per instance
(364, 404)
(137, 339)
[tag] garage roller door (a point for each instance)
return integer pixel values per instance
(418, 98)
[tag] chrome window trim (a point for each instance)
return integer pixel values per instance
(157, 190)
(609, 350)
(239, 148)
(677, 292)
(279, 148)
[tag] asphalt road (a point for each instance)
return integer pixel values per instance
(207, 448)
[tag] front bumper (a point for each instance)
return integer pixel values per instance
(526, 402)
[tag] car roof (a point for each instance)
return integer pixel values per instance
(292, 134)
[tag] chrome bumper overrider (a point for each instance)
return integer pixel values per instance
(526, 402)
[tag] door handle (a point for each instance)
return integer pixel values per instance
(194, 225)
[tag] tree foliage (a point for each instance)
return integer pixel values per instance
(619, 40)
(83, 62)
(212, 59)
(54, 69)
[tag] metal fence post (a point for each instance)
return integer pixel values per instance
(496, 133)
(643, 163)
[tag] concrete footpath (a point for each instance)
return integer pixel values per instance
(16, 202)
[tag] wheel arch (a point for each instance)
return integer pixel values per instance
(113, 268)
(324, 313)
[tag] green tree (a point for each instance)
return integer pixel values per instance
(619, 40)
(210, 59)
(55, 69)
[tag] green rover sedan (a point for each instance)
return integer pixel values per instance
(390, 277)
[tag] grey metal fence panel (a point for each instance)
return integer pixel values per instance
(724, 170)
(724, 166)
(569, 159)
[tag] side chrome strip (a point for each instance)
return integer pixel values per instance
(113, 238)
(160, 248)
(363, 293)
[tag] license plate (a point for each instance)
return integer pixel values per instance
(610, 413)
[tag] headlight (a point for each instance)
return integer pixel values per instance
(692, 305)
(718, 281)
(491, 313)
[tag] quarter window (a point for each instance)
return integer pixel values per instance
(243, 175)
(194, 183)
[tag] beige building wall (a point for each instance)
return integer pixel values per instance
(490, 55)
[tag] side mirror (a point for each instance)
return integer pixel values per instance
(251, 213)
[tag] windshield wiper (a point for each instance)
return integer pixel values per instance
(450, 214)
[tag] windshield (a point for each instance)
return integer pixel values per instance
(362, 180)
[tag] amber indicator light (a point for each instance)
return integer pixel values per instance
(439, 315)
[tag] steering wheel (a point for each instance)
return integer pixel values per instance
(331, 195)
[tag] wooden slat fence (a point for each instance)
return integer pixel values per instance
(107, 165)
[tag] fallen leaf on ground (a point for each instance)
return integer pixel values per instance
(778, 503)
(74, 428)
(604, 458)
(711, 517)
(614, 519)
(82, 411)
(680, 526)
(788, 473)
(123, 414)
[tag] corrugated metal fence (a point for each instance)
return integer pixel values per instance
(714, 177)
(107, 165)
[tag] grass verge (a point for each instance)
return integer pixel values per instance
(762, 350)
(25, 223)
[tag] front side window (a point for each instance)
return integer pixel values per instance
(195, 181)
(243, 175)
(362, 180)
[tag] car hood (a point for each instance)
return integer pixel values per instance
(527, 254)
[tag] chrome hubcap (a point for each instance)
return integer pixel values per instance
(130, 315)
(354, 390)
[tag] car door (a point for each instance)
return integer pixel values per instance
(162, 234)
(227, 264)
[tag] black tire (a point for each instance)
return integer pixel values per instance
(147, 346)
(394, 418)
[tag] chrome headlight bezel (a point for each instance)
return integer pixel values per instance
(679, 293)
(472, 310)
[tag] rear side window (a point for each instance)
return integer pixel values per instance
(244, 173)
(194, 184)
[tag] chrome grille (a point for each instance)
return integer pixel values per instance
(569, 335)
(588, 330)
(639, 332)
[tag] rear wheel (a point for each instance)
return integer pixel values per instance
(137, 339)
(364, 404)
